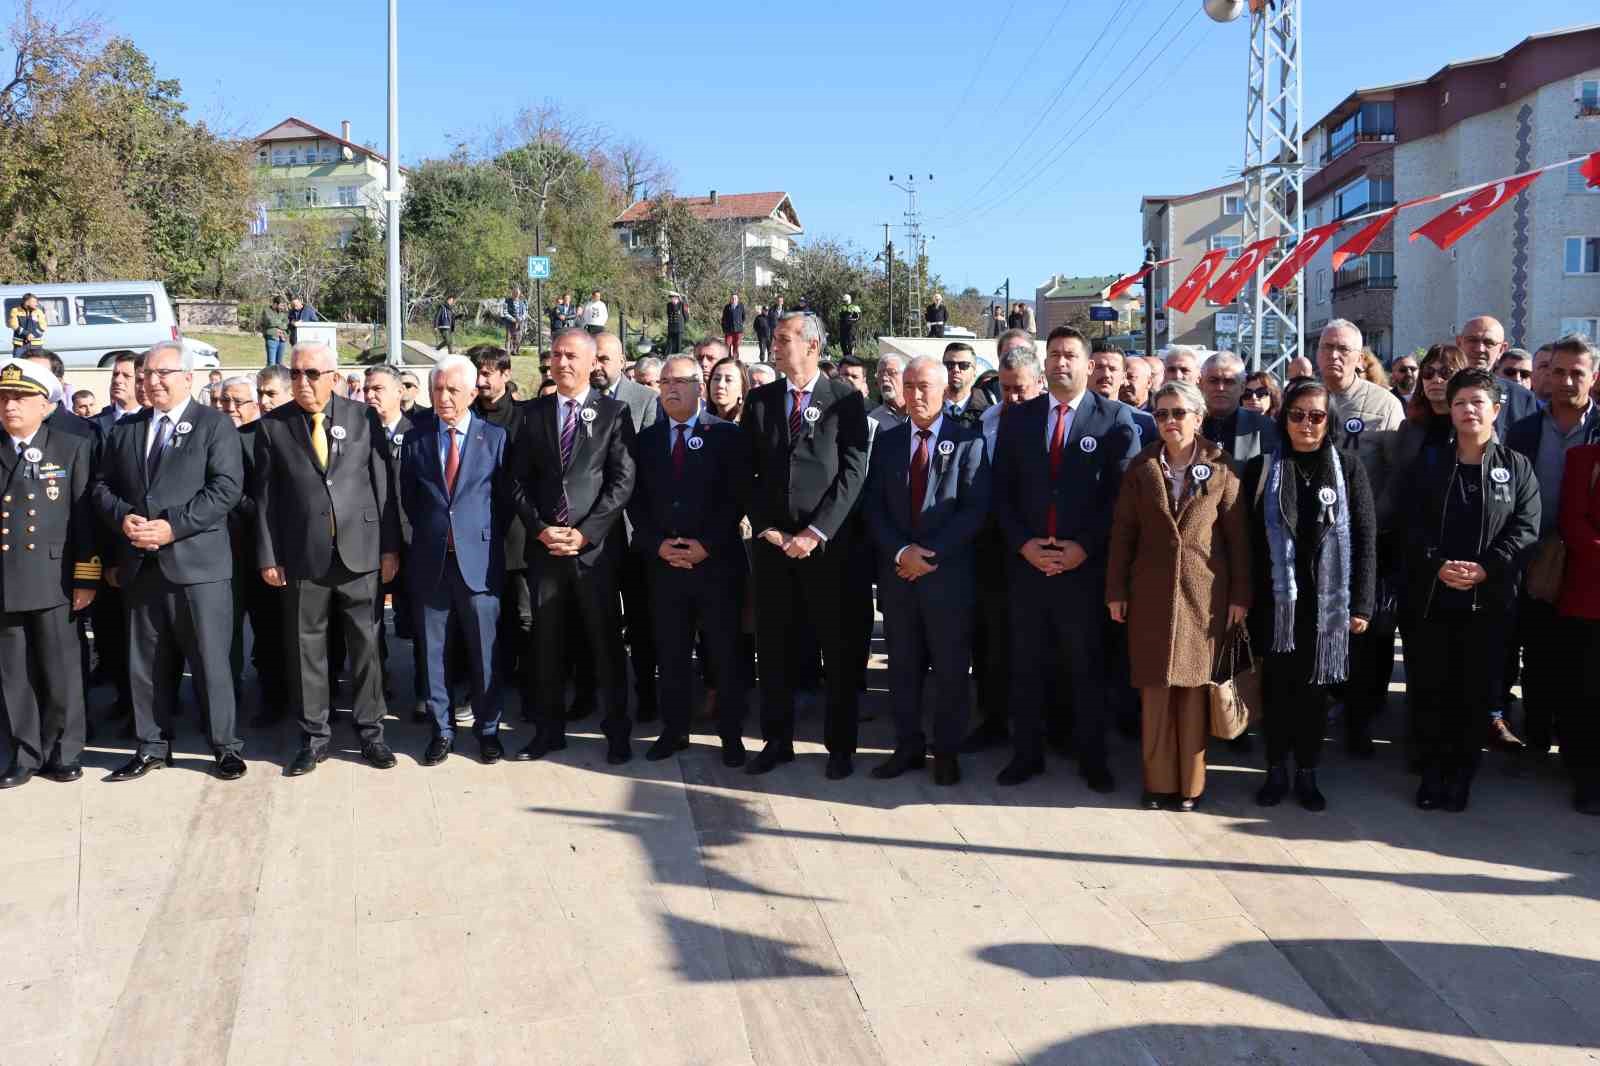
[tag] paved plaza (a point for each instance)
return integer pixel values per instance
(567, 912)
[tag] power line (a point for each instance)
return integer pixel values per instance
(983, 63)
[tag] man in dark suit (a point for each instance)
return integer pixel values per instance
(61, 419)
(807, 436)
(327, 531)
(962, 401)
(643, 407)
(165, 482)
(1242, 434)
(49, 570)
(573, 474)
(1058, 463)
(383, 391)
(1108, 372)
(455, 501)
(926, 499)
(687, 502)
(107, 613)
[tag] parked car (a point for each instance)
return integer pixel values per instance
(87, 320)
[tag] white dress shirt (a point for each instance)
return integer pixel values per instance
(810, 392)
(460, 430)
(1059, 410)
(174, 416)
(933, 444)
(989, 422)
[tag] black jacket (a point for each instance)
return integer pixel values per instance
(677, 315)
(1510, 524)
(508, 414)
(597, 484)
(812, 481)
(296, 500)
(197, 484)
(47, 523)
(733, 319)
(445, 318)
(705, 504)
(936, 314)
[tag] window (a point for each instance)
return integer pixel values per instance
(1229, 241)
(117, 309)
(349, 195)
(1583, 255)
(281, 200)
(330, 154)
(1589, 96)
(281, 157)
(1375, 270)
(1589, 327)
(1576, 182)
(309, 196)
(1363, 194)
(1233, 205)
(1371, 122)
(263, 156)
(1319, 287)
(54, 308)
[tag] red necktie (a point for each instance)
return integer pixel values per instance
(797, 417)
(919, 475)
(680, 452)
(452, 467)
(1058, 440)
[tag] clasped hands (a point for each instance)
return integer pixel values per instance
(1050, 556)
(147, 534)
(798, 546)
(684, 553)
(562, 541)
(915, 562)
(1461, 576)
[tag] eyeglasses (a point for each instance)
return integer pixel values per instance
(680, 381)
(1316, 418)
(227, 403)
(164, 375)
(1257, 394)
(309, 374)
(955, 364)
(1437, 373)
(1516, 374)
(1173, 414)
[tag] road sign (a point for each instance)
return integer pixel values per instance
(538, 268)
(1102, 314)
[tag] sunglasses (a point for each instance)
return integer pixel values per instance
(1257, 394)
(954, 365)
(1173, 414)
(310, 375)
(1437, 373)
(1517, 375)
(1316, 418)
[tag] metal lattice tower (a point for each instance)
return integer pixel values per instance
(1271, 324)
(917, 248)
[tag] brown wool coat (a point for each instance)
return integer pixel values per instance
(1178, 573)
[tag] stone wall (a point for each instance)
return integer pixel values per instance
(207, 316)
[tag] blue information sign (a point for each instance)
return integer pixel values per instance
(538, 267)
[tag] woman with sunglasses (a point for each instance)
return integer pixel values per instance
(1314, 547)
(1178, 573)
(1262, 394)
(1472, 518)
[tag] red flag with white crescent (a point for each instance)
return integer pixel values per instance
(1184, 296)
(1590, 169)
(1122, 285)
(1444, 230)
(1364, 239)
(1296, 260)
(1240, 272)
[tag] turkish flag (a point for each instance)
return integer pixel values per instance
(1184, 296)
(1239, 274)
(1296, 260)
(1122, 285)
(1359, 244)
(1444, 230)
(1590, 169)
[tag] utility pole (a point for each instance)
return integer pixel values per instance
(1149, 302)
(391, 195)
(888, 274)
(538, 297)
(918, 249)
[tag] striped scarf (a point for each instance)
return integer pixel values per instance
(1331, 567)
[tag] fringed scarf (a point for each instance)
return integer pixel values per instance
(1331, 568)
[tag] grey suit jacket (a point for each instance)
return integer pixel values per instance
(643, 405)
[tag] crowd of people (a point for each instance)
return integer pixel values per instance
(1086, 534)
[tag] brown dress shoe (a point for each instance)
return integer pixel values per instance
(1501, 738)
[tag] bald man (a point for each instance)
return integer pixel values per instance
(1483, 341)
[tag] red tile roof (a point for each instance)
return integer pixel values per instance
(730, 207)
(281, 132)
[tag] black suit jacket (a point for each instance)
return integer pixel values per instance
(1085, 493)
(812, 481)
(955, 502)
(296, 499)
(705, 504)
(64, 421)
(199, 481)
(509, 415)
(47, 524)
(597, 484)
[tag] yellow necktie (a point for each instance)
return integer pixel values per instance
(319, 440)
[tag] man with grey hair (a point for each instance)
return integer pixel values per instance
(166, 481)
(1183, 364)
(647, 373)
(327, 531)
(1241, 434)
(762, 374)
(890, 411)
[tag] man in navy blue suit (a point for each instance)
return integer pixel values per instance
(926, 499)
(685, 509)
(453, 497)
(1058, 463)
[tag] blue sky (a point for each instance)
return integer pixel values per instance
(825, 100)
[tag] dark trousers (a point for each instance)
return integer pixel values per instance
(1055, 622)
(991, 647)
(789, 591)
(858, 613)
(1580, 718)
(928, 623)
(573, 601)
(446, 337)
(111, 643)
(263, 606)
(635, 588)
(515, 627)
(312, 609)
(41, 687)
(404, 629)
(847, 343)
(1455, 673)
(478, 615)
(1371, 669)
(764, 346)
(170, 623)
(1545, 686)
(1294, 715)
(674, 340)
(682, 601)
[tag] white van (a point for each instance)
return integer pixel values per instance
(86, 320)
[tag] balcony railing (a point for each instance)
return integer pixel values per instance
(1355, 285)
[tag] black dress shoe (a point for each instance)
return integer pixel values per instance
(378, 755)
(137, 766)
(733, 754)
(490, 750)
(902, 760)
(436, 751)
(1307, 792)
(769, 758)
(1098, 777)
(540, 746)
(618, 751)
(1020, 769)
(1150, 801)
(306, 760)
(62, 772)
(16, 777)
(840, 766)
(420, 712)
(1242, 744)
(666, 746)
(230, 767)
(989, 733)
(1189, 804)
(946, 770)
(1458, 794)
(1272, 791)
